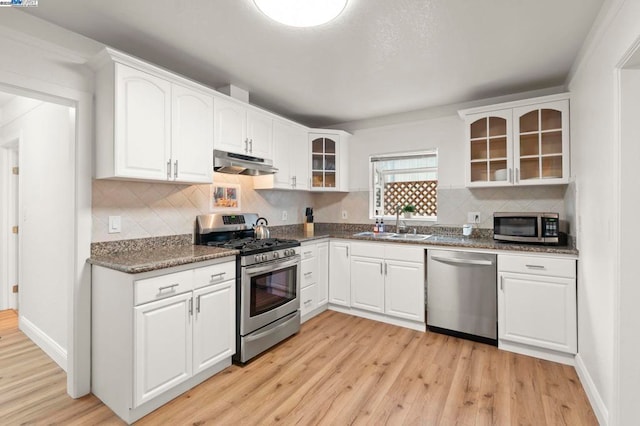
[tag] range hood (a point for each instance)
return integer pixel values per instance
(240, 164)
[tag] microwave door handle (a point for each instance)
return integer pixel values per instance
(540, 231)
(256, 270)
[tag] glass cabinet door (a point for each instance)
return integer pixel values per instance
(541, 144)
(323, 162)
(489, 149)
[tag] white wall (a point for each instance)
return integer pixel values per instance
(595, 163)
(46, 220)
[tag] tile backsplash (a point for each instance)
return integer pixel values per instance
(159, 209)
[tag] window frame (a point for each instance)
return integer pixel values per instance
(395, 156)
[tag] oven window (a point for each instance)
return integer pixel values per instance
(272, 289)
(516, 226)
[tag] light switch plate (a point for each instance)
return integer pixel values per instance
(115, 224)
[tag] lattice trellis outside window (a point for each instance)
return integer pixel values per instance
(403, 179)
(423, 195)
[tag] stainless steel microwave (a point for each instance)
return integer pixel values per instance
(537, 228)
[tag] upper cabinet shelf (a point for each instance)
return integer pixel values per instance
(518, 143)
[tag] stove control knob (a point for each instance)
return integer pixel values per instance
(276, 255)
(257, 258)
(265, 257)
(287, 252)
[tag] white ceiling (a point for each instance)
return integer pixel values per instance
(379, 57)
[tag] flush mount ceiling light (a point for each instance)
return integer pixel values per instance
(301, 13)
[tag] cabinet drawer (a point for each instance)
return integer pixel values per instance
(368, 250)
(161, 287)
(404, 252)
(308, 297)
(214, 274)
(308, 272)
(309, 251)
(537, 265)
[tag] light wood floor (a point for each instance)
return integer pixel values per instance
(338, 370)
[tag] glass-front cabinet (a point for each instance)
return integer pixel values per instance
(519, 143)
(329, 160)
(323, 161)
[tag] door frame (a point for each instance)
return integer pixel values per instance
(8, 147)
(79, 294)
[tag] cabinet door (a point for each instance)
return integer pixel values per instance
(339, 274)
(324, 161)
(367, 284)
(230, 124)
(322, 291)
(260, 134)
(214, 327)
(404, 290)
(283, 140)
(308, 299)
(299, 157)
(541, 143)
(538, 311)
(489, 146)
(143, 125)
(192, 135)
(163, 346)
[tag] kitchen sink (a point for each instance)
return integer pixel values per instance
(409, 237)
(375, 234)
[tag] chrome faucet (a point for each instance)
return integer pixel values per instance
(400, 225)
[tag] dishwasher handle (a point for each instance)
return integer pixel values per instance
(462, 261)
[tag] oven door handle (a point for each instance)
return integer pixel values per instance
(275, 329)
(272, 266)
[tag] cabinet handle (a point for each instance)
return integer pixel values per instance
(535, 266)
(509, 174)
(306, 274)
(517, 175)
(385, 268)
(307, 253)
(501, 282)
(306, 302)
(347, 251)
(169, 169)
(198, 304)
(191, 306)
(381, 269)
(246, 144)
(175, 169)
(168, 287)
(295, 181)
(217, 276)
(251, 146)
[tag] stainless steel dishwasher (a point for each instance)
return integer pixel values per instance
(461, 294)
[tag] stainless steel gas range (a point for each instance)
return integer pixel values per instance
(267, 281)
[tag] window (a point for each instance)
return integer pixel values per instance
(403, 179)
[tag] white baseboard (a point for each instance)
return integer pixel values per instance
(418, 326)
(599, 408)
(44, 342)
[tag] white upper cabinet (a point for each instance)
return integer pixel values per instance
(242, 130)
(192, 135)
(518, 143)
(329, 160)
(290, 157)
(142, 145)
(150, 124)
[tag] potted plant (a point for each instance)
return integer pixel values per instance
(408, 211)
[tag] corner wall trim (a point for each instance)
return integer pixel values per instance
(44, 342)
(599, 408)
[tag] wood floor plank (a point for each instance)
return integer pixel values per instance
(338, 370)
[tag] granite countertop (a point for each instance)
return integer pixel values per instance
(153, 258)
(440, 241)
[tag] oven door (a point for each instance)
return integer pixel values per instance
(269, 291)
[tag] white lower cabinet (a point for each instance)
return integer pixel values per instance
(380, 281)
(537, 304)
(157, 334)
(314, 278)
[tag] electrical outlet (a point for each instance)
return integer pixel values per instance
(284, 215)
(344, 214)
(473, 217)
